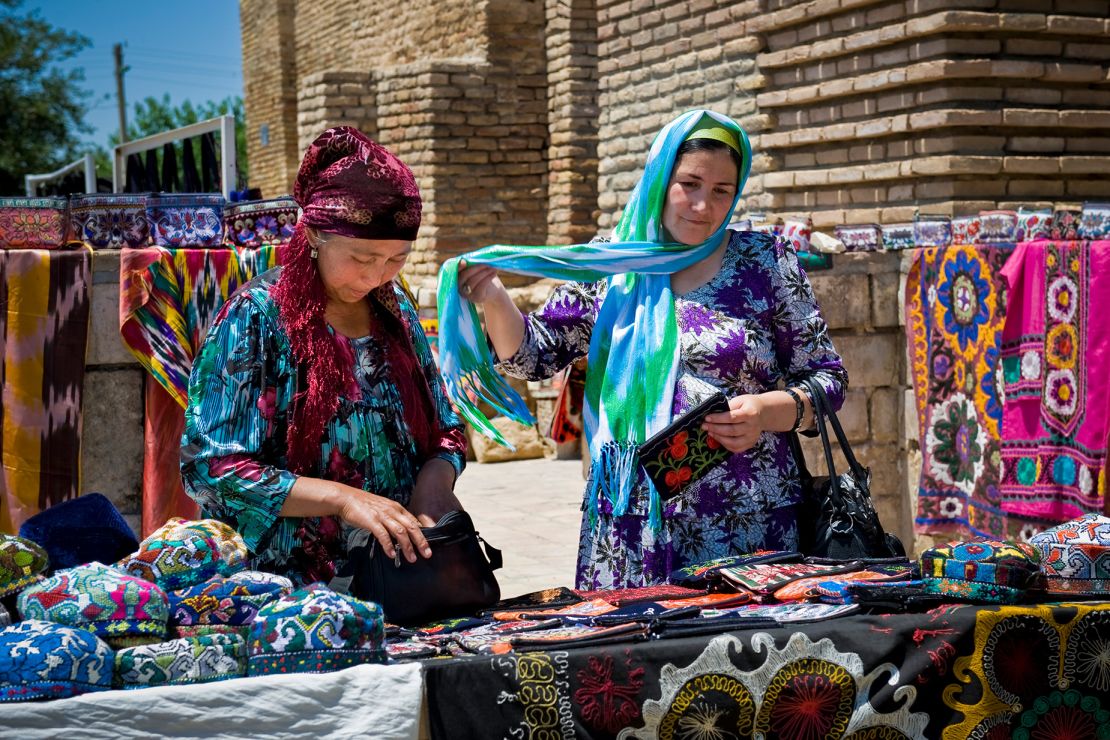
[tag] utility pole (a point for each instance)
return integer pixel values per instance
(117, 50)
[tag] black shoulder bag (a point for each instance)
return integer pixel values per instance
(457, 580)
(838, 519)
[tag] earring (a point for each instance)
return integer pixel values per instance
(314, 253)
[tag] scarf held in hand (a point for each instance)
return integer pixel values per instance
(633, 356)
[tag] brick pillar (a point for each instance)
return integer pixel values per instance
(336, 99)
(572, 108)
(270, 93)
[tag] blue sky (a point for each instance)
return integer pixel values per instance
(190, 50)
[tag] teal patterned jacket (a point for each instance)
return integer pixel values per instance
(233, 460)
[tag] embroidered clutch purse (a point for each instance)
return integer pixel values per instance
(110, 220)
(190, 220)
(898, 236)
(683, 453)
(33, 223)
(860, 237)
(256, 222)
(932, 231)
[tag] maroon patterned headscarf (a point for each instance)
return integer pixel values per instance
(350, 185)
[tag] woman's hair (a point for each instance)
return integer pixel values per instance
(709, 145)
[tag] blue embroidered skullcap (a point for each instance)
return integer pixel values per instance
(44, 660)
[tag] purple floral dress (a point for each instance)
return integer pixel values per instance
(751, 327)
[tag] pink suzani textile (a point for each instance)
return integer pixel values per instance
(1055, 355)
(955, 308)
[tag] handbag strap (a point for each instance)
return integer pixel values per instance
(799, 459)
(825, 415)
(817, 393)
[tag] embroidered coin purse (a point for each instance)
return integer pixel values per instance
(683, 453)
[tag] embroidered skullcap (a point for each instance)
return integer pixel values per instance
(1075, 556)
(44, 660)
(230, 544)
(81, 530)
(22, 563)
(181, 661)
(200, 630)
(351, 185)
(315, 630)
(183, 553)
(983, 570)
(99, 599)
(233, 601)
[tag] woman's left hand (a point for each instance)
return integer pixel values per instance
(433, 494)
(739, 428)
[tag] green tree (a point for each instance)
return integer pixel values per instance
(153, 116)
(43, 107)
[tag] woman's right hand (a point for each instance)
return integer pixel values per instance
(388, 521)
(479, 283)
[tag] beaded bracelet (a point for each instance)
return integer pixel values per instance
(800, 408)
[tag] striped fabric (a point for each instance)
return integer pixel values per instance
(44, 329)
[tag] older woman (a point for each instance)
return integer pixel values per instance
(316, 417)
(690, 308)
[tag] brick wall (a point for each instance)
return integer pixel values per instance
(288, 44)
(865, 110)
(270, 92)
(653, 65)
(949, 106)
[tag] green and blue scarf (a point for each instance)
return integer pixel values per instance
(633, 356)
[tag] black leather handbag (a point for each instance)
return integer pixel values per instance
(455, 581)
(838, 519)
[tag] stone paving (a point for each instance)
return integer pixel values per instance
(529, 509)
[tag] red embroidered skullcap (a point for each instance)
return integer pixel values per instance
(351, 185)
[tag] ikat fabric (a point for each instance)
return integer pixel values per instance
(953, 673)
(44, 325)
(315, 630)
(99, 599)
(754, 323)
(45, 660)
(1055, 351)
(168, 299)
(233, 449)
(956, 301)
(181, 661)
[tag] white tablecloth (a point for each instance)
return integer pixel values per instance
(380, 701)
